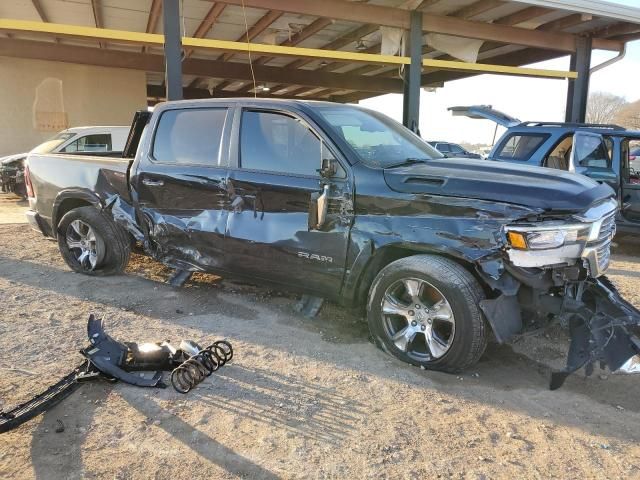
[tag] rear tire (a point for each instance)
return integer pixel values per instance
(90, 242)
(424, 310)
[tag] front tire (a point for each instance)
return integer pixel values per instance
(424, 310)
(90, 242)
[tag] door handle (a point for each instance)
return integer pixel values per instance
(153, 183)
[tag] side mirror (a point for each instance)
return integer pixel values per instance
(328, 168)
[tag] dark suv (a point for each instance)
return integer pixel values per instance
(606, 153)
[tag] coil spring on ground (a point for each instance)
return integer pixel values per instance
(198, 367)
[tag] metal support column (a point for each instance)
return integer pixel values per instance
(172, 49)
(412, 77)
(580, 92)
(570, 89)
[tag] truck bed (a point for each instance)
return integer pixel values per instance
(56, 175)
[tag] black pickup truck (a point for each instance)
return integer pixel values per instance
(343, 203)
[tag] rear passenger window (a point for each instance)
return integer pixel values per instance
(278, 143)
(443, 147)
(520, 146)
(190, 136)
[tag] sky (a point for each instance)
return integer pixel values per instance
(524, 98)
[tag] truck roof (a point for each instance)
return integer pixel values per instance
(255, 101)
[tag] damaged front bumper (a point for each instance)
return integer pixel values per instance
(552, 272)
(602, 325)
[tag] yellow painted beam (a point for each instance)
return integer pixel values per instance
(279, 50)
(60, 29)
(140, 38)
(497, 69)
(204, 43)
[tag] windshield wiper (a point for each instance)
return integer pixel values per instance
(408, 161)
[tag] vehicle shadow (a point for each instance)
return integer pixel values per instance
(61, 458)
(626, 245)
(299, 407)
(195, 439)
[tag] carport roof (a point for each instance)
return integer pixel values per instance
(513, 33)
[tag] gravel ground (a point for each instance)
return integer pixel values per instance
(301, 399)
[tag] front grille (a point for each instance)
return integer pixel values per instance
(607, 229)
(603, 243)
(603, 255)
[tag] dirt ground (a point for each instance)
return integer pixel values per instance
(301, 399)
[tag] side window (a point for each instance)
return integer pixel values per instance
(456, 148)
(190, 136)
(443, 147)
(591, 151)
(90, 143)
(278, 143)
(520, 146)
(558, 158)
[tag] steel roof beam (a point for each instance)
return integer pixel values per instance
(96, 8)
(256, 29)
(152, 20)
(207, 24)
(395, 17)
(192, 66)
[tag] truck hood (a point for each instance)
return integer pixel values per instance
(535, 187)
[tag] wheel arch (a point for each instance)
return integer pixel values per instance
(383, 256)
(67, 200)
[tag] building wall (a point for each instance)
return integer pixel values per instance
(39, 98)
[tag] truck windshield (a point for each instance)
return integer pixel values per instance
(377, 140)
(53, 143)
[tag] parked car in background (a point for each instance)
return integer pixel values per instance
(341, 202)
(449, 149)
(76, 140)
(607, 153)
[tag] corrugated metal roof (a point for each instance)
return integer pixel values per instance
(554, 16)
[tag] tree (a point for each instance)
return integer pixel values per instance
(602, 107)
(629, 116)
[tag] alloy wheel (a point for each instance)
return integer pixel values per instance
(418, 319)
(84, 244)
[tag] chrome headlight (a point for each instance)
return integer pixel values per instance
(547, 237)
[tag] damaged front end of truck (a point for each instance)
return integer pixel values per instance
(551, 271)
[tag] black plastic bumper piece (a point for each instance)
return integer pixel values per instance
(600, 331)
(112, 357)
(42, 402)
